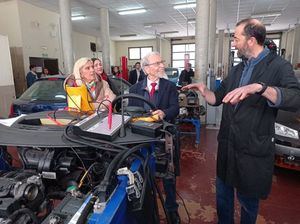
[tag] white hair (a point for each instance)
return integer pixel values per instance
(145, 59)
(77, 67)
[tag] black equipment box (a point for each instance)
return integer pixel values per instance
(146, 128)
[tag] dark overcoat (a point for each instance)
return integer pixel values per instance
(245, 157)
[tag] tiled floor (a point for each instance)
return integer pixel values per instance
(196, 186)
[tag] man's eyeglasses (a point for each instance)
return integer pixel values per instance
(156, 63)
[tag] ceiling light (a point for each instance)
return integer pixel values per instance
(132, 11)
(78, 18)
(184, 6)
(128, 35)
(266, 14)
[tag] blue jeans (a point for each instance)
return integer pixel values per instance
(170, 191)
(225, 205)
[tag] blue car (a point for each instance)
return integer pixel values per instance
(48, 94)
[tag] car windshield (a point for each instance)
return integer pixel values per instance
(45, 90)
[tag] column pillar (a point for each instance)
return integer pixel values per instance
(212, 33)
(66, 35)
(201, 57)
(105, 39)
(201, 38)
(220, 52)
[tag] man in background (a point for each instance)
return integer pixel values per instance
(137, 74)
(31, 76)
(186, 75)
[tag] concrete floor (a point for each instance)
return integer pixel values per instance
(196, 186)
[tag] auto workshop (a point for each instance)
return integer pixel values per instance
(149, 111)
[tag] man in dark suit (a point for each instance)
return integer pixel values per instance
(137, 74)
(163, 94)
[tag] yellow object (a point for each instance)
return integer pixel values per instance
(47, 121)
(153, 118)
(79, 98)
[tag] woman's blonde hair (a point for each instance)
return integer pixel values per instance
(77, 67)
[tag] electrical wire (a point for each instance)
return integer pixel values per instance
(185, 208)
(86, 174)
(81, 161)
(156, 190)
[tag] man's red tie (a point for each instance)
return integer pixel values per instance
(152, 91)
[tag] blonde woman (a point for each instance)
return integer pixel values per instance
(98, 89)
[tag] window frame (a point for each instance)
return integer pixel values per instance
(185, 52)
(140, 51)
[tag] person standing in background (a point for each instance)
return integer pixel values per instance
(137, 74)
(45, 72)
(116, 72)
(31, 76)
(186, 75)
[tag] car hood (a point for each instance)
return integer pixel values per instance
(289, 119)
(25, 107)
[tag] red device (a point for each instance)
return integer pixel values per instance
(124, 68)
(109, 118)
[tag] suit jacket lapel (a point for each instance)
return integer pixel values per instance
(161, 91)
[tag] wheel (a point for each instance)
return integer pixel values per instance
(133, 109)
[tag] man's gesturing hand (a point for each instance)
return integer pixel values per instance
(241, 93)
(196, 86)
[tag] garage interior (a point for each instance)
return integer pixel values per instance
(54, 34)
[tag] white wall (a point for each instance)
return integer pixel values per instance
(166, 52)
(7, 92)
(113, 56)
(6, 74)
(81, 45)
(40, 33)
(10, 22)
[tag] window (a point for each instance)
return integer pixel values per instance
(137, 53)
(182, 52)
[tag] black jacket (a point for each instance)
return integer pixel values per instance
(133, 76)
(185, 77)
(246, 138)
(166, 98)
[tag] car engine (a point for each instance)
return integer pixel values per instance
(48, 175)
(189, 105)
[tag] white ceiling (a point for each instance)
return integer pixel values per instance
(228, 13)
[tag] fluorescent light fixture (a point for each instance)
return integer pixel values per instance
(191, 21)
(169, 32)
(78, 18)
(132, 11)
(128, 35)
(184, 6)
(266, 14)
